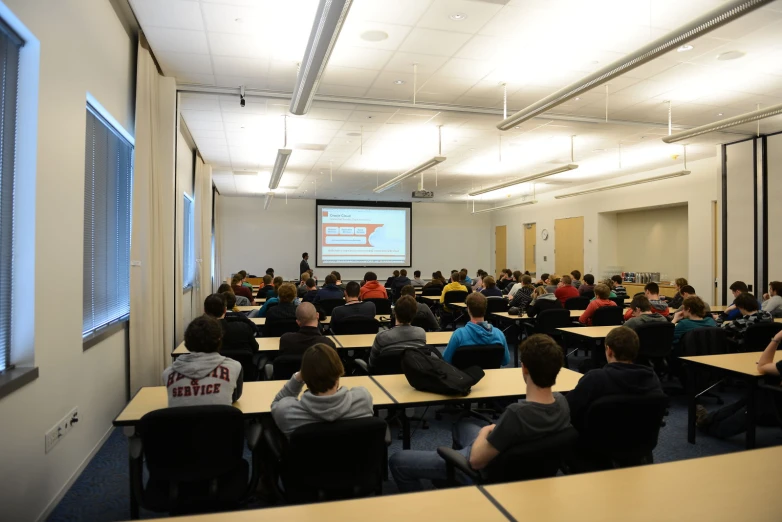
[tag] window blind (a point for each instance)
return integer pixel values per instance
(108, 175)
(10, 44)
(188, 261)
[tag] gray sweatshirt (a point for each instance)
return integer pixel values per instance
(203, 379)
(773, 305)
(290, 412)
(397, 338)
(635, 322)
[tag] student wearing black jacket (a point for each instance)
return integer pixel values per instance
(230, 315)
(285, 309)
(390, 281)
(237, 335)
(542, 300)
(400, 282)
(296, 343)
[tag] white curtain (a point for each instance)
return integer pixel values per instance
(152, 248)
(218, 274)
(203, 234)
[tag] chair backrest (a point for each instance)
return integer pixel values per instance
(432, 290)
(356, 325)
(388, 362)
(277, 328)
(576, 303)
(589, 294)
(548, 321)
(382, 306)
(219, 428)
(245, 358)
(655, 340)
(710, 340)
(327, 305)
(757, 336)
(485, 356)
(455, 296)
(335, 460)
(607, 316)
(624, 428)
(537, 459)
(422, 323)
(272, 305)
(619, 300)
(285, 366)
(496, 304)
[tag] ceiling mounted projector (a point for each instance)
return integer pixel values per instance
(426, 194)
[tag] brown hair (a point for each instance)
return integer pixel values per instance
(267, 279)
(554, 281)
(403, 272)
(321, 368)
(242, 273)
(776, 286)
(543, 358)
(408, 290)
(330, 279)
(236, 279)
(230, 300)
(204, 335)
(225, 287)
(602, 291)
(695, 305)
(476, 304)
(680, 281)
(405, 309)
(566, 279)
(746, 301)
(526, 280)
(277, 282)
(624, 342)
(310, 283)
(576, 274)
(286, 293)
(489, 282)
(541, 290)
(304, 277)
(642, 303)
(517, 275)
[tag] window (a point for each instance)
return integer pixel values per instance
(188, 261)
(108, 174)
(10, 44)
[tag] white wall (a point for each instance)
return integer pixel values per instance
(83, 49)
(445, 236)
(774, 159)
(741, 213)
(698, 190)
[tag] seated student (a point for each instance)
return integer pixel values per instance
(676, 300)
(312, 290)
(541, 413)
(455, 284)
(506, 277)
(238, 300)
(772, 301)
(601, 299)
(417, 281)
(553, 284)
(691, 316)
(277, 282)
(477, 283)
(731, 420)
(243, 273)
(511, 289)
(477, 331)
(424, 313)
(285, 309)
(324, 400)
(232, 314)
(329, 291)
(619, 288)
(576, 279)
(400, 282)
(338, 278)
(353, 307)
(732, 312)
(543, 281)
(372, 289)
(466, 276)
(239, 290)
(542, 300)
(490, 287)
(301, 288)
(266, 290)
(523, 296)
(203, 377)
(463, 280)
(390, 280)
(652, 293)
(621, 376)
(587, 288)
(751, 314)
(237, 335)
(565, 289)
(437, 281)
(610, 284)
(642, 313)
(688, 291)
(296, 343)
(403, 335)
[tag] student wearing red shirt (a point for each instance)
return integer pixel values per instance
(566, 290)
(601, 299)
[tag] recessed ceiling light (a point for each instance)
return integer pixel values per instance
(576, 98)
(719, 114)
(374, 36)
(730, 55)
(399, 82)
(517, 127)
(458, 16)
(684, 48)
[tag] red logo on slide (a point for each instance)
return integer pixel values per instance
(325, 213)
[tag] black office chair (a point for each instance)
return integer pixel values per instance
(277, 328)
(619, 301)
(701, 341)
(576, 303)
(330, 460)
(252, 363)
(183, 478)
(589, 294)
(757, 336)
(283, 367)
(327, 305)
(485, 356)
(382, 306)
(655, 345)
(622, 430)
(451, 296)
(389, 362)
(607, 316)
(548, 322)
(432, 291)
(496, 304)
(355, 325)
(422, 323)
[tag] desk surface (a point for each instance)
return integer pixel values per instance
(743, 363)
(380, 318)
(593, 332)
(256, 398)
(725, 488)
(504, 382)
(431, 297)
(366, 340)
(574, 314)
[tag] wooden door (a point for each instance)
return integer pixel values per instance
(500, 248)
(569, 245)
(530, 246)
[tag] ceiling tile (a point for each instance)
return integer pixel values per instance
(474, 15)
(359, 57)
(184, 62)
(176, 14)
(431, 41)
(176, 40)
(194, 79)
(468, 69)
(351, 34)
(348, 76)
(402, 12)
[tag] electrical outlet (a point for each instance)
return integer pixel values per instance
(61, 429)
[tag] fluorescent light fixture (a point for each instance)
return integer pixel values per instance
(269, 196)
(622, 185)
(512, 182)
(503, 207)
(283, 155)
(328, 22)
(410, 173)
(741, 119)
(673, 40)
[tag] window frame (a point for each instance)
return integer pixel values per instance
(188, 226)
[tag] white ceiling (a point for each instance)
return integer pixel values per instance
(535, 46)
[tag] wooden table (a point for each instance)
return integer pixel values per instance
(380, 318)
(724, 488)
(433, 298)
(743, 365)
(265, 344)
(598, 335)
(574, 314)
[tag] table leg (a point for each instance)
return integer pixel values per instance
(598, 354)
(405, 430)
(691, 403)
(130, 433)
(751, 412)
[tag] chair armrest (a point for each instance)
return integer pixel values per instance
(273, 442)
(136, 453)
(455, 460)
(361, 363)
(252, 433)
(269, 371)
(388, 436)
(770, 387)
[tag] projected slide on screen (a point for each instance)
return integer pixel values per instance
(351, 235)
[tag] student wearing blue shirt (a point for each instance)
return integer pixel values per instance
(732, 312)
(477, 331)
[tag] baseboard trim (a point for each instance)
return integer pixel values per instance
(56, 500)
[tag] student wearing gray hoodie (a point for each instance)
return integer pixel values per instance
(324, 400)
(643, 313)
(203, 377)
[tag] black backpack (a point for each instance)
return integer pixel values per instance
(430, 374)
